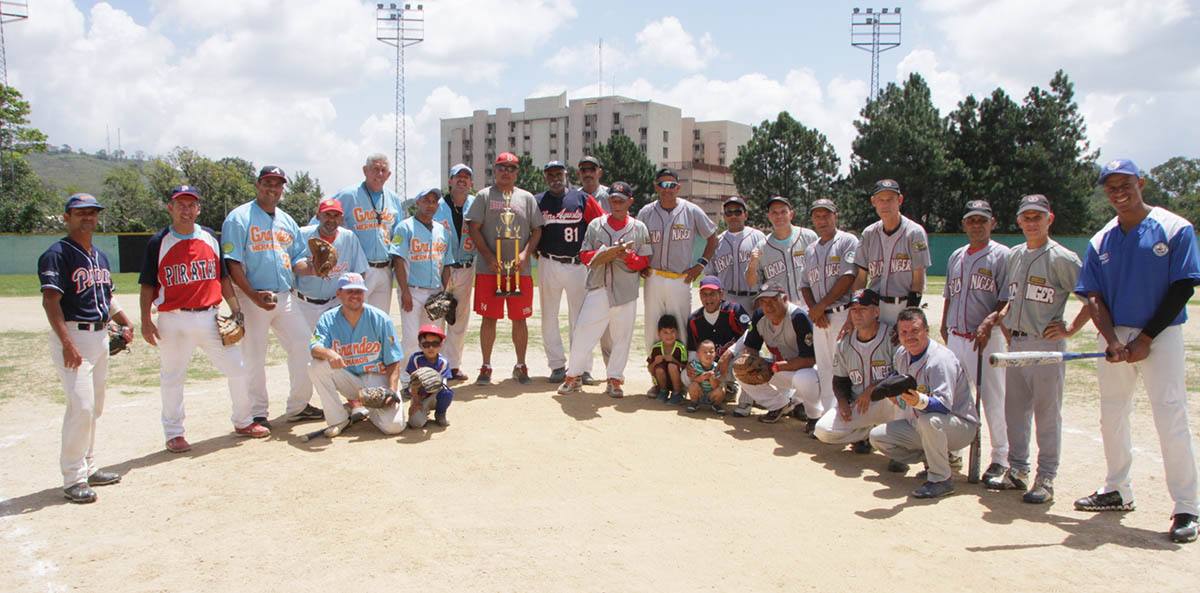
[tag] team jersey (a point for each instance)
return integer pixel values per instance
(677, 352)
(615, 276)
(890, 259)
(673, 232)
(942, 379)
(83, 277)
(371, 216)
(729, 260)
(865, 363)
(782, 261)
(566, 217)
(350, 259)
(424, 249)
(367, 347)
(1039, 283)
(462, 248)
(184, 270)
(265, 245)
(723, 327)
(1133, 270)
(418, 360)
(601, 196)
(790, 338)
(485, 211)
(826, 262)
(974, 282)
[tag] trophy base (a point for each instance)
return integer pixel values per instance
(508, 293)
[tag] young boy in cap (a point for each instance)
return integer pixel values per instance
(431, 338)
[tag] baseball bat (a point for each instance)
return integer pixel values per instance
(1025, 359)
(973, 468)
(320, 432)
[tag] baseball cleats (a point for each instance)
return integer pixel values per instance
(358, 411)
(558, 375)
(1041, 493)
(103, 478)
(1109, 501)
(742, 411)
(179, 444)
(993, 472)
(862, 447)
(262, 421)
(1184, 528)
(676, 398)
(1011, 480)
(718, 409)
(521, 374)
(588, 380)
(571, 385)
(254, 431)
(775, 415)
(310, 412)
(798, 412)
(441, 419)
(79, 493)
(896, 467)
(934, 489)
(956, 462)
(458, 375)
(485, 375)
(810, 427)
(614, 388)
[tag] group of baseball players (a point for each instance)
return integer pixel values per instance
(840, 316)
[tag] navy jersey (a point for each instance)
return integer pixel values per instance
(566, 217)
(732, 321)
(83, 278)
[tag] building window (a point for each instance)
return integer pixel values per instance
(491, 128)
(665, 136)
(643, 132)
(616, 119)
(512, 140)
(696, 134)
(664, 149)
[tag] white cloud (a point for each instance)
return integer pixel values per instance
(666, 43)
(944, 85)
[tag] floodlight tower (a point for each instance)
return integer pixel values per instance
(10, 11)
(400, 25)
(875, 32)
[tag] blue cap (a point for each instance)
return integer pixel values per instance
(553, 164)
(184, 190)
(430, 190)
(351, 281)
(271, 171)
(82, 201)
(710, 283)
(456, 169)
(1121, 167)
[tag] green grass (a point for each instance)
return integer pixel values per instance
(27, 285)
(68, 172)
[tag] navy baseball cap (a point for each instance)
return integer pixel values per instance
(1119, 167)
(554, 165)
(886, 185)
(82, 201)
(978, 208)
(710, 283)
(271, 171)
(456, 169)
(1034, 202)
(768, 290)
(866, 297)
(780, 199)
(590, 160)
(825, 203)
(184, 190)
(665, 171)
(620, 189)
(735, 200)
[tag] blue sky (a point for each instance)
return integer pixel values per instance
(305, 85)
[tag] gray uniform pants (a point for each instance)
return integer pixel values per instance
(1035, 394)
(932, 439)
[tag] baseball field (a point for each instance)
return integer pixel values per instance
(532, 491)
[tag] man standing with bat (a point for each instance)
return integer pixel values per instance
(1138, 274)
(1041, 275)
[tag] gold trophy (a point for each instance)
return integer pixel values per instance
(508, 250)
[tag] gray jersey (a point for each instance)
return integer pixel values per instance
(865, 363)
(890, 259)
(729, 260)
(941, 378)
(1039, 283)
(673, 232)
(615, 276)
(486, 210)
(826, 263)
(782, 262)
(790, 338)
(974, 282)
(601, 196)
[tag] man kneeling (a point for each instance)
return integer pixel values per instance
(354, 347)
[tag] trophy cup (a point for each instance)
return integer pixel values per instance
(508, 249)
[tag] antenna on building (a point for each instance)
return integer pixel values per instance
(875, 32)
(600, 75)
(10, 11)
(400, 25)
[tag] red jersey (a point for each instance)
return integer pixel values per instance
(186, 270)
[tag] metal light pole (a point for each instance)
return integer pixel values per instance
(400, 25)
(10, 11)
(875, 32)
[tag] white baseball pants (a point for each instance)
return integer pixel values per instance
(180, 333)
(84, 390)
(332, 384)
(1163, 375)
(888, 312)
(662, 296)
(596, 318)
(312, 311)
(825, 344)
(461, 281)
(411, 322)
(379, 283)
(991, 399)
(832, 429)
(555, 278)
(802, 386)
(292, 332)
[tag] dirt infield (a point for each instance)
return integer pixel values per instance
(530, 491)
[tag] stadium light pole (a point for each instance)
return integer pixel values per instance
(10, 11)
(875, 32)
(400, 25)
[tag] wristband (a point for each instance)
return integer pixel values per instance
(702, 261)
(775, 367)
(914, 298)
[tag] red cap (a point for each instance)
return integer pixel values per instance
(430, 328)
(507, 157)
(329, 204)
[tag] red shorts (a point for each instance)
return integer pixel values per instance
(491, 306)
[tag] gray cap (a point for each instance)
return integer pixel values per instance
(978, 208)
(1034, 202)
(769, 290)
(825, 203)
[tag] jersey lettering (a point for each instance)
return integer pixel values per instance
(875, 268)
(880, 371)
(656, 236)
(722, 262)
(856, 377)
(196, 271)
(955, 286)
(1039, 294)
(258, 235)
(900, 265)
(366, 219)
(774, 269)
(679, 233)
(984, 283)
(89, 277)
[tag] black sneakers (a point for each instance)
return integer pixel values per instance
(103, 478)
(79, 493)
(1184, 528)
(1109, 501)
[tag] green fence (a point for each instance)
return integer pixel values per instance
(19, 253)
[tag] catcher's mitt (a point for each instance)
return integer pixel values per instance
(324, 256)
(752, 369)
(609, 254)
(119, 338)
(429, 380)
(231, 328)
(893, 386)
(442, 305)
(378, 397)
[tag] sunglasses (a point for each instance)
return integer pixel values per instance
(668, 184)
(586, 169)
(509, 168)
(431, 344)
(737, 212)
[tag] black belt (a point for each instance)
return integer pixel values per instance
(465, 264)
(837, 309)
(196, 309)
(314, 301)
(1017, 334)
(740, 292)
(893, 300)
(566, 259)
(379, 264)
(92, 325)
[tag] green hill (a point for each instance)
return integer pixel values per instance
(71, 172)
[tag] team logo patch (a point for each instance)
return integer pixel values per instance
(227, 247)
(745, 318)
(1160, 249)
(849, 257)
(920, 246)
(808, 340)
(1104, 258)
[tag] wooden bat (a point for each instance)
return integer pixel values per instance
(341, 428)
(973, 467)
(1026, 359)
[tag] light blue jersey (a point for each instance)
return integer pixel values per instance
(462, 248)
(371, 215)
(426, 249)
(350, 259)
(265, 245)
(367, 347)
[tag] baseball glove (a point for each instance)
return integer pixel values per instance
(231, 328)
(324, 256)
(442, 305)
(609, 254)
(378, 397)
(893, 386)
(429, 379)
(119, 338)
(752, 369)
